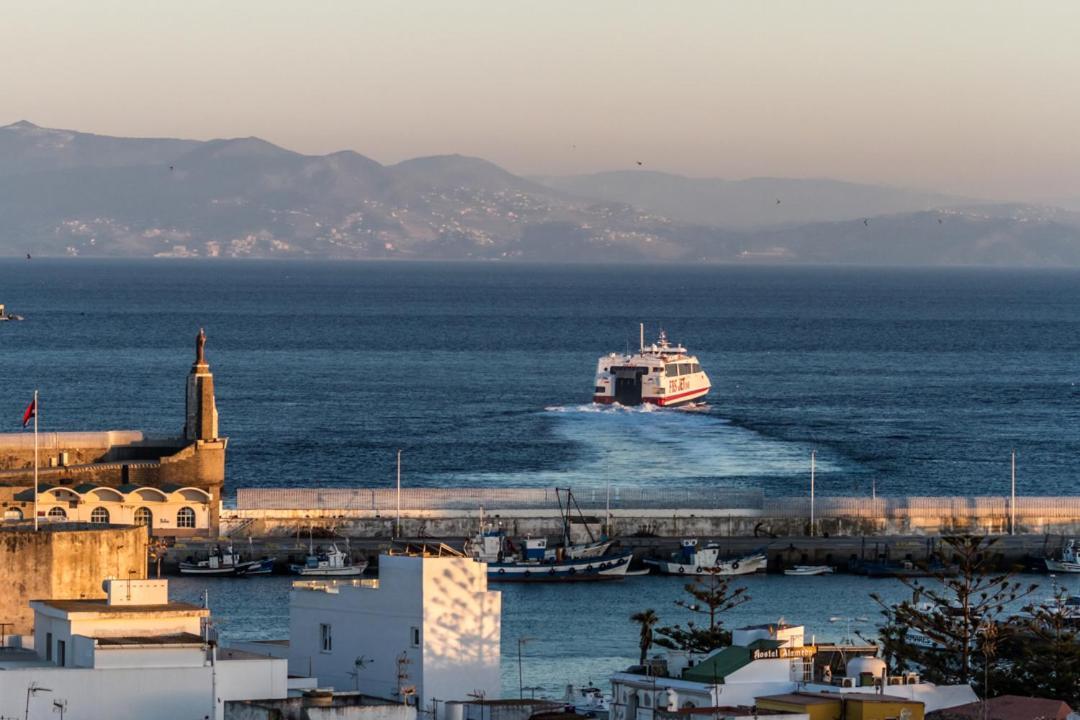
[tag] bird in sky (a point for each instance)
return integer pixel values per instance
(170, 168)
(640, 163)
(777, 201)
(939, 221)
(28, 256)
(866, 222)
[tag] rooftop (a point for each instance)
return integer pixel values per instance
(1008, 707)
(102, 607)
(174, 639)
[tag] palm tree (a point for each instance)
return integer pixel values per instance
(646, 619)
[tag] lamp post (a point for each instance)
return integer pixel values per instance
(521, 686)
(813, 462)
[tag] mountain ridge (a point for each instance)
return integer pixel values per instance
(68, 193)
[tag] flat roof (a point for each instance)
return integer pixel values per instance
(102, 607)
(804, 698)
(171, 639)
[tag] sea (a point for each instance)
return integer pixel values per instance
(904, 382)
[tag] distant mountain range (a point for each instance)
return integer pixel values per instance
(69, 193)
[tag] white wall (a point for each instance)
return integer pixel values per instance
(446, 599)
(137, 694)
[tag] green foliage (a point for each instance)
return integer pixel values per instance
(951, 627)
(1041, 655)
(647, 619)
(712, 596)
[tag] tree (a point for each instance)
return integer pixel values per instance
(1042, 654)
(712, 596)
(944, 629)
(646, 619)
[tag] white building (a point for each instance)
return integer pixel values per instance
(766, 660)
(132, 655)
(427, 630)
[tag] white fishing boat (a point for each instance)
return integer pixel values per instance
(507, 562)
(660, 374)
(1068, 561)
(6, 316)
(691, 560)
(226, 562)
(588, 701)
(329, 562)
(809, 570)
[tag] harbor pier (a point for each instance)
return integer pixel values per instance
(283, 522)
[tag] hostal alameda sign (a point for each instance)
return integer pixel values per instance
(784, 653)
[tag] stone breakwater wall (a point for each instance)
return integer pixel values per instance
(663, 513)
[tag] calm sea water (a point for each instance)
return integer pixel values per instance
(920, 380)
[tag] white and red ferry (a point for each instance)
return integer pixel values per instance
(661, 374)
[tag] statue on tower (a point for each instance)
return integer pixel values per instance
(200, 343)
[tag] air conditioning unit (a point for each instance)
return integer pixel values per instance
(848, 682)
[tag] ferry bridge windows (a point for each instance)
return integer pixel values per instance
(143, 516)
(57, 513)
(671, 370)
(695, 368)
(684, 369)
(185, 518)
(599, 388)
(99, 515)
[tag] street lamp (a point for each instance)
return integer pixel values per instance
(521, 685)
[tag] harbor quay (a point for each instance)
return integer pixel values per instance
(284, 523)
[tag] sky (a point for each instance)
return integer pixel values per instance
(978, 98)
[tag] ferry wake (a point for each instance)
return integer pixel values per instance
(659, 374)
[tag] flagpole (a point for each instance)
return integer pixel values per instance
(35, 461)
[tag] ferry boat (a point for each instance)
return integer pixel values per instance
(226, 562)
(1068, 561)
(690, 560)
(660, 374)
(329, 563)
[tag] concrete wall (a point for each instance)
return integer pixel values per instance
(445, 599)
(140, 693)
(63, 562)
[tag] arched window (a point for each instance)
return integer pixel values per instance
(143, 516)
(13, 514)
(99, 515)
(185, 518)
(57, 513)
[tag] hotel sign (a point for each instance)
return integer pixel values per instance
(784, 653)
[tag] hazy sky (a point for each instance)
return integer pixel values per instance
(978, 97)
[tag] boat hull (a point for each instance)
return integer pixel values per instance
(351, 570)
(610, 567)
(799, 570)
(1062, 566)
(741, 566)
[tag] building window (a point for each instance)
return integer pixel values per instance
(326, 638)
(48, 647)
(57, 513)
(143, 516)
(185, 518)
(61, 653)
(414, 636)
(99, 515)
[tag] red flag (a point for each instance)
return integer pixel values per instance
(31, 411)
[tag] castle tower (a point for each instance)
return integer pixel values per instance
(200, 410)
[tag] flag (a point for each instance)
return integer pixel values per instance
(31, 411)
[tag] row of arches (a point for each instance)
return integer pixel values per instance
(185, 516)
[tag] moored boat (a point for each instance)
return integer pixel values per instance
(531, 563)
(660, 374)
(809, 570)
(1068, 561)
(691, 560)
(330, 562)
(226, 562)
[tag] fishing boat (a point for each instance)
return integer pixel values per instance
(588, 701)
(507, 562)
(809, 570)
(660, 374)
(691, 560)
(1068, 561)
(226, 562)
(330, 562)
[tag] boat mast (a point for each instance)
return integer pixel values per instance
(641, 337)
